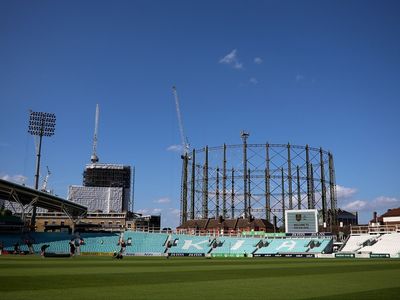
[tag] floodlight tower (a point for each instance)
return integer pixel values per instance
(40, 124)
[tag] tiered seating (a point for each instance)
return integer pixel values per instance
(274, 246)
(324, 245)
(186, 244)
(9, 241)
(298, 245)
(58, 241)
(387, 243)
(146, 242)
(155, 243)
(234, 246)
(355, 242)
(100, 242)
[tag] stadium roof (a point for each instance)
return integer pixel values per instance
(18, 193)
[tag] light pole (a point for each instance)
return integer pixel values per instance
(40, 124)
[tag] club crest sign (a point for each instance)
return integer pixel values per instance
(301, 221)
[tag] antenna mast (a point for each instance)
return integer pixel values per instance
(94, 159)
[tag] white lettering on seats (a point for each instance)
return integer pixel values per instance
(237, 245)
(287, 244)
(189, 243)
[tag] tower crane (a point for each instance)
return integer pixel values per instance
(94, 158)
(184, 139)
(46, 180)
(185, 159)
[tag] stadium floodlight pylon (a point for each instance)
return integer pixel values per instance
(40, 124)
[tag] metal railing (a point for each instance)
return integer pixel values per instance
(374, 229)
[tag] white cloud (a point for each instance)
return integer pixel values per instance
(385, 202)
(356, 205)
(156, 211)
(343, 192)
(381, 203)
(258, 60)
(232, 60)
(163, 200)
(175, 148)
(175, 211)
(299, 77)
(143, 211)
(253, 80)
(15, 178)
(149, 211)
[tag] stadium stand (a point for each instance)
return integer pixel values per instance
(186, 244)
(236, 246)
(145, 243)
(355, 242)
(100, 243)
(295, 245)
(385, 244)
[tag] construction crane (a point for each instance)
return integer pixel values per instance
(46, 180)
(185, 160)
(184, 139)
(94, 159)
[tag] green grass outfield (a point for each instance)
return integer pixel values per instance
(197, 278)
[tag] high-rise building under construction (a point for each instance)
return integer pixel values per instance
(106, 187)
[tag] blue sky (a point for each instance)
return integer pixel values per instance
(323, 73)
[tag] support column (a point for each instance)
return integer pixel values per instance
(217, 196)
(193, 186)
(283, 196)
(332, 190)
(224, 185)
(309, 204)
(298, 188)
(233, 194)
(185, 159)
(267, 185)
(33, 218)
(249, 200)
(244, 137)
(289, 162)
(205, 186)
(323, 187)
(312, 187)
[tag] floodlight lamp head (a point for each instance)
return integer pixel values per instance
(41, 124)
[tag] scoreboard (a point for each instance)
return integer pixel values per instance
(301, 221)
